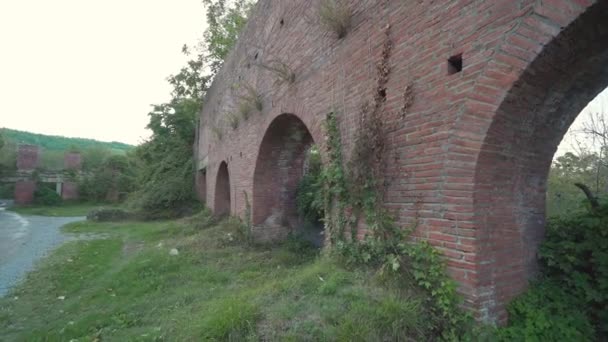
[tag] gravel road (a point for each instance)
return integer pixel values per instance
(24, 240)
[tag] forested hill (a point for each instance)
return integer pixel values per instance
(59, 143)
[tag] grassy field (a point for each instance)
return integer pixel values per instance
(65, 210)
(127, 287)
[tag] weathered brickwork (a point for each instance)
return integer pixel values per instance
(469, 158)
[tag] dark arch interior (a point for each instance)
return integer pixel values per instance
(201, 185)
(279, 168)
(511, 177)
(222, 191)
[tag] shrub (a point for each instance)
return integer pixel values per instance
(309, 195)
(336, 16)
(233, 120)
(109, 215)
(281, 70)
(46, 196)
(7, 190)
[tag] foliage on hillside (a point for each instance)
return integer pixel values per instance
(53, 149)
(59, 143)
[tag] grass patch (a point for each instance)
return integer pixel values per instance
(127, 287)
(65, 210)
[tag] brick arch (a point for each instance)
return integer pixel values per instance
(222, 191)
(565, 73)
(278, 168)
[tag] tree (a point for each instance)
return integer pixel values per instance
(595, 129)
(165, 166)
(225, 24)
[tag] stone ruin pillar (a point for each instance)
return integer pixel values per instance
(72, 163)
(28, 159)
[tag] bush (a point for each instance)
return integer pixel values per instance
(309, 195)
(46, 196)
(7, 190)
(109, 215)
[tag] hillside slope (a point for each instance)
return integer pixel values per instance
(59, 143)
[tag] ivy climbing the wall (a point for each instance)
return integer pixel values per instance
(385, 246)
(353, 197)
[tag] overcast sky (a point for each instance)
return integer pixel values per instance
(90, 68)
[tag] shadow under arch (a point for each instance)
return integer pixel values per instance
(279, 167)
(515, 158)
(222, 191)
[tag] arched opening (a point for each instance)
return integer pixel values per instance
(280, 166)
(516, 155)
(222, 191)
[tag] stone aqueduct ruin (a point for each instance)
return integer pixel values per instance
(496, 84)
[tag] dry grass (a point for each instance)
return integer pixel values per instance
(336, 16)
(281, 70)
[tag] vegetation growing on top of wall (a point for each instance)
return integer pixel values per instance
(336, 16)
(233, 119)
(217, 132)
(249, 101)
(570, 300)
(281, 70)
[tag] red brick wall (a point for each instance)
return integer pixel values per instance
(470, 157)
(24, 192)
(69, 191)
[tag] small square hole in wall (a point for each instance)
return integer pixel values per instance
(455, 64)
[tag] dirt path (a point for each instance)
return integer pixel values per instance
(24, 240)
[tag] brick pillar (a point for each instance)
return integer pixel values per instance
(72, 161)
(69, 191)
(24, 192)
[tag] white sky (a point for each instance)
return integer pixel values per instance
(91, 68)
